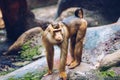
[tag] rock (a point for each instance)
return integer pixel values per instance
(26, 36)
(38, 65)
(21, 63)
(101, 10)
(110, 60)
(41, 13)
(95, 20)
(100, 41)
(40, 3)
(72, 74)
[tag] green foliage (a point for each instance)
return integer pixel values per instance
(30, 76)
(28, 51)
(108, 73)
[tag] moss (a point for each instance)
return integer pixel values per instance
(106, 75)
(30, 76)
(28, 51)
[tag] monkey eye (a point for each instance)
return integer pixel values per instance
(57, 30)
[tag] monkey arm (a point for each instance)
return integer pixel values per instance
(63, 58)
(50, 60)
(50, 55)
(49, 52)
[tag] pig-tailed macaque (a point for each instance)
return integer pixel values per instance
(59, 34)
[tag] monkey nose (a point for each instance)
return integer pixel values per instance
(59, 39)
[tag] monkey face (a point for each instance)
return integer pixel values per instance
(57, 34)
(54, 34)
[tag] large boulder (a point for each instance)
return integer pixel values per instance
(101, 41)
(102, 10)
(16, 16)
(40, 3)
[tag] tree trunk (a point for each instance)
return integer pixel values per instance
(15, 15)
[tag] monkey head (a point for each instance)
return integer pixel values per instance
(55, 33)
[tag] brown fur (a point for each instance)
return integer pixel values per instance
(73, 29)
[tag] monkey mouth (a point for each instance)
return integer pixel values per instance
(59, 41)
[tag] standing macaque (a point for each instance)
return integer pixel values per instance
(59, 34)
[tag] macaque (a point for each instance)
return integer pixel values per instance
(59, 34)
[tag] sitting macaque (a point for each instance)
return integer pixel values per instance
(59, 34)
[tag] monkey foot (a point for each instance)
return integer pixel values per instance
(62, 79)
(74, 64)
(49, 73)
(68, 63)
(63, 76)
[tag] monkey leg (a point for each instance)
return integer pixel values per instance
(50, 59)
(63, 59)
(62, 73)
(79, 44)
(63, 76)
(72, 47)
(77, 54)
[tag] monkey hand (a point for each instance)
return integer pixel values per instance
(48, 73)
(63, 75)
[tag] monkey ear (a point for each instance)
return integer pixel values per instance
(80, 13)
(61, 24)
(50, 28)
